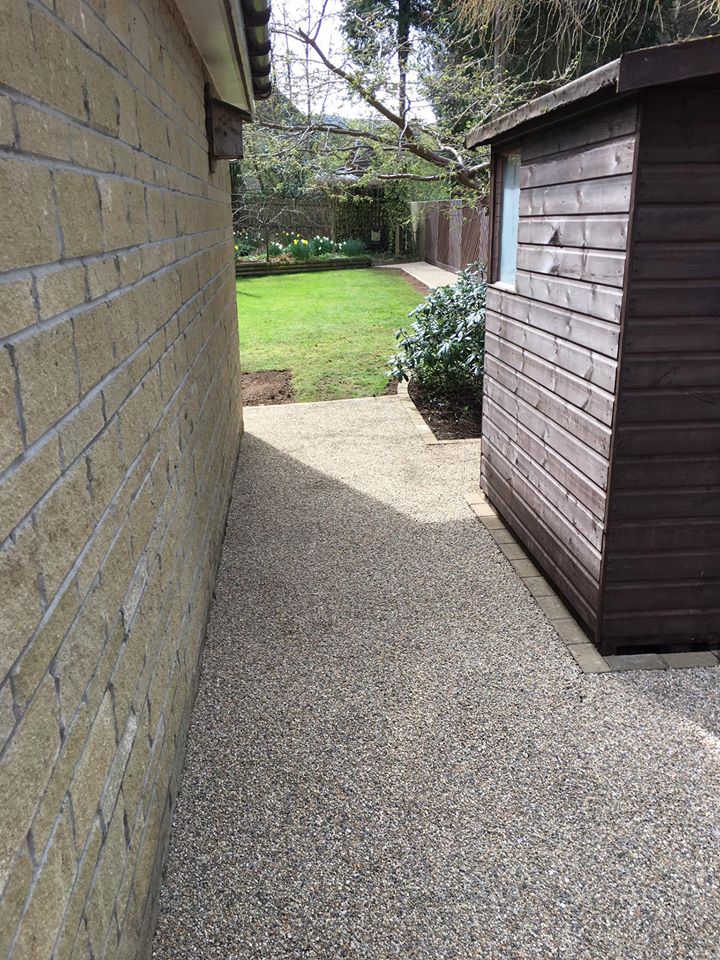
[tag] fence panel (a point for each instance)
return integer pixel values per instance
(451, 234)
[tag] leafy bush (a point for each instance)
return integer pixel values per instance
(351, 248)
(444, 349)
(274, 248)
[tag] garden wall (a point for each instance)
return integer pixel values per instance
(120, 424)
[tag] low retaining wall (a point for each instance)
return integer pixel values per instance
(263, 268)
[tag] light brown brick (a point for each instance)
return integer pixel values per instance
(36, 661)
(78, 431)
(17, 307)
(107, 467)
(93, 768)
(42, 133)
(17, 68)
(57, 78)
(11, 443)
(49, 807)
(27, 214)
(67, 941)
(77, 198)
(102, 277)
(7, 132)
(13, 899)
(59, 290)
(98, 911)
(25, 770)
(30, 479)
(80, 652)
(64, 522)
(19, 571)
(41, 923)
(94, 342)
(48, 378)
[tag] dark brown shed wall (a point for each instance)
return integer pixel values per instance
(552, 347)
(662, 577)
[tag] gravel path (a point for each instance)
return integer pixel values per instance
(392, 755)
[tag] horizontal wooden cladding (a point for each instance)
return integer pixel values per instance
(539, 448)
(664, 535)
(668, 470)
(684, 407)
(648, 504)
(616, 122)
(605, 195)
(639, 568)
(598, 232)
(670, 370)
(668, 595)
(578, 423)
(648, 439)
(675, 141)
(678, 183)
(609, 159)
(598, 336)
(676, 260)
(592, 299)
(552, 552)
(677, 222)
(595, 266)
(673, 298)
(573, 514)
(590, 367)
(572, 389)
(670, 335)
(557, 438)
(648, 628)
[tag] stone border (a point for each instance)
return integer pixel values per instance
(418, 420)
(572, 633)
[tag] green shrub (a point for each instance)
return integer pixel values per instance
(444, 350)
(245, 244)
(299, 249)
(274, 248)
(351, 248)
(321, 246)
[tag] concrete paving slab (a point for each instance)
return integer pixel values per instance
(426, 273)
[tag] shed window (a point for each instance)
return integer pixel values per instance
(509, 217)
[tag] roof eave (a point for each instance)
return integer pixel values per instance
(671, 63)
(219, 29)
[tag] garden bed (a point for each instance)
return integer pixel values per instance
(446, 421)
(267, 268)
(267, 387)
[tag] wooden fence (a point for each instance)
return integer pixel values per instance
(450, 234)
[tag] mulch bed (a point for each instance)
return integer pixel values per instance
(447, 422)
(266, 387)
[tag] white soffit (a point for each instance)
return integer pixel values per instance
(218, 31)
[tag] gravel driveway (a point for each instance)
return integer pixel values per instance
(391, 753)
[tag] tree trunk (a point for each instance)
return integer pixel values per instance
(403, 39)
(498, 44)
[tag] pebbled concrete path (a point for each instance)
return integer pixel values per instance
(391, 753)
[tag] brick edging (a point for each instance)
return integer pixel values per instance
(418, 420)
(566, 626)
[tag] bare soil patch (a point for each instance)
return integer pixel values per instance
(448, 422)
(418, 285)
(265, 387)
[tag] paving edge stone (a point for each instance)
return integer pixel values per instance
(572, 634)
(418, 420)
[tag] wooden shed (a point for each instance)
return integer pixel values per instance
(601, 415)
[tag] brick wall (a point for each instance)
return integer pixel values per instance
(119, 430)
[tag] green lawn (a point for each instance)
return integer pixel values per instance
(334, 330)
